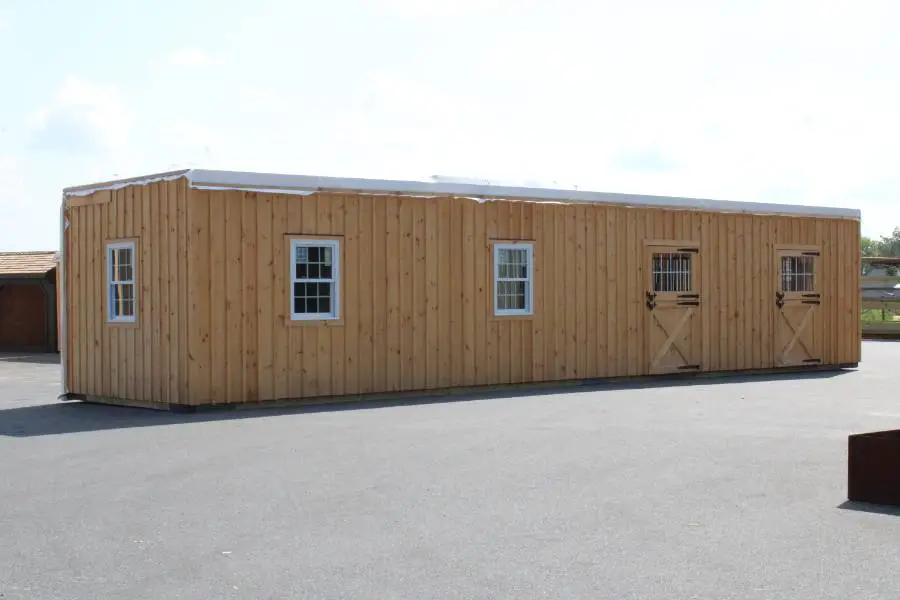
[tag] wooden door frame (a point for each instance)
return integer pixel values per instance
(650, 296)
(783, 298)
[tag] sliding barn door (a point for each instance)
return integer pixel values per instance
(797, 299)
(673, 307)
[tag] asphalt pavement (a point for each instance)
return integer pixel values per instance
(711, 489)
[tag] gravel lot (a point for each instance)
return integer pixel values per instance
(714, 489)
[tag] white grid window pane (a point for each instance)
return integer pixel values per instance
(512, 279)
(314, 280)
(798, 274)
(125, 268)
(672, 271)
(123, 300)
(313, 298)
(512, 295)
(121, 282)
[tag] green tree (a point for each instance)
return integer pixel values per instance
(868, 246)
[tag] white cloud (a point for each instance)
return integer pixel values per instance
(437, 8)
(11, 182)
(82, 117)
(407, 128)
(193, 58)
(260, 100)
(17, 214)
(192, 145)
(757, 102)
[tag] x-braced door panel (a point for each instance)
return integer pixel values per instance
(673, 305)
(797, 299)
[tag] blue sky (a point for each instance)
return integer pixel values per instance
(769, 101)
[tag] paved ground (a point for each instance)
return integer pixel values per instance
(711, 490)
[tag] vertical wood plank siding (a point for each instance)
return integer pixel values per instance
(415, 290)
(145, 360)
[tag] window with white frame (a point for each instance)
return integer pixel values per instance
(315, 277)
(120, 278)
(513, 279)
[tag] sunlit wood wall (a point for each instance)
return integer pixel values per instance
(214, 322)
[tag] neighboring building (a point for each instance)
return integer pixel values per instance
(28, 302)
(203, 287)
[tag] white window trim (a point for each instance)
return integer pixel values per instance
(335, 246)
(529, 281)
(110, 314)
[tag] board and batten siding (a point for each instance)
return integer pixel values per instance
(145, 360)
(416, 285)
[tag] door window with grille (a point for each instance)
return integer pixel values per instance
(798, 273)
(672, 271)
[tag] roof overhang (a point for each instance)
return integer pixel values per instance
(21, 276)
(27, 265)
(204, 179)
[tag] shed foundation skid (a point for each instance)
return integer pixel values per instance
(199, 288)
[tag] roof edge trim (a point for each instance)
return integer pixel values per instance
(280, 183)
(87, 190)
(303, 185)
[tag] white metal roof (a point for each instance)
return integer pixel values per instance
(306, 184)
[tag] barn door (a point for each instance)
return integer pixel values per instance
(673, 306)
(796, 301)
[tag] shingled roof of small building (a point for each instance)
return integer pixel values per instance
(27, 264)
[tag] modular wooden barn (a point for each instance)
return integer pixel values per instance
(206, 287)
